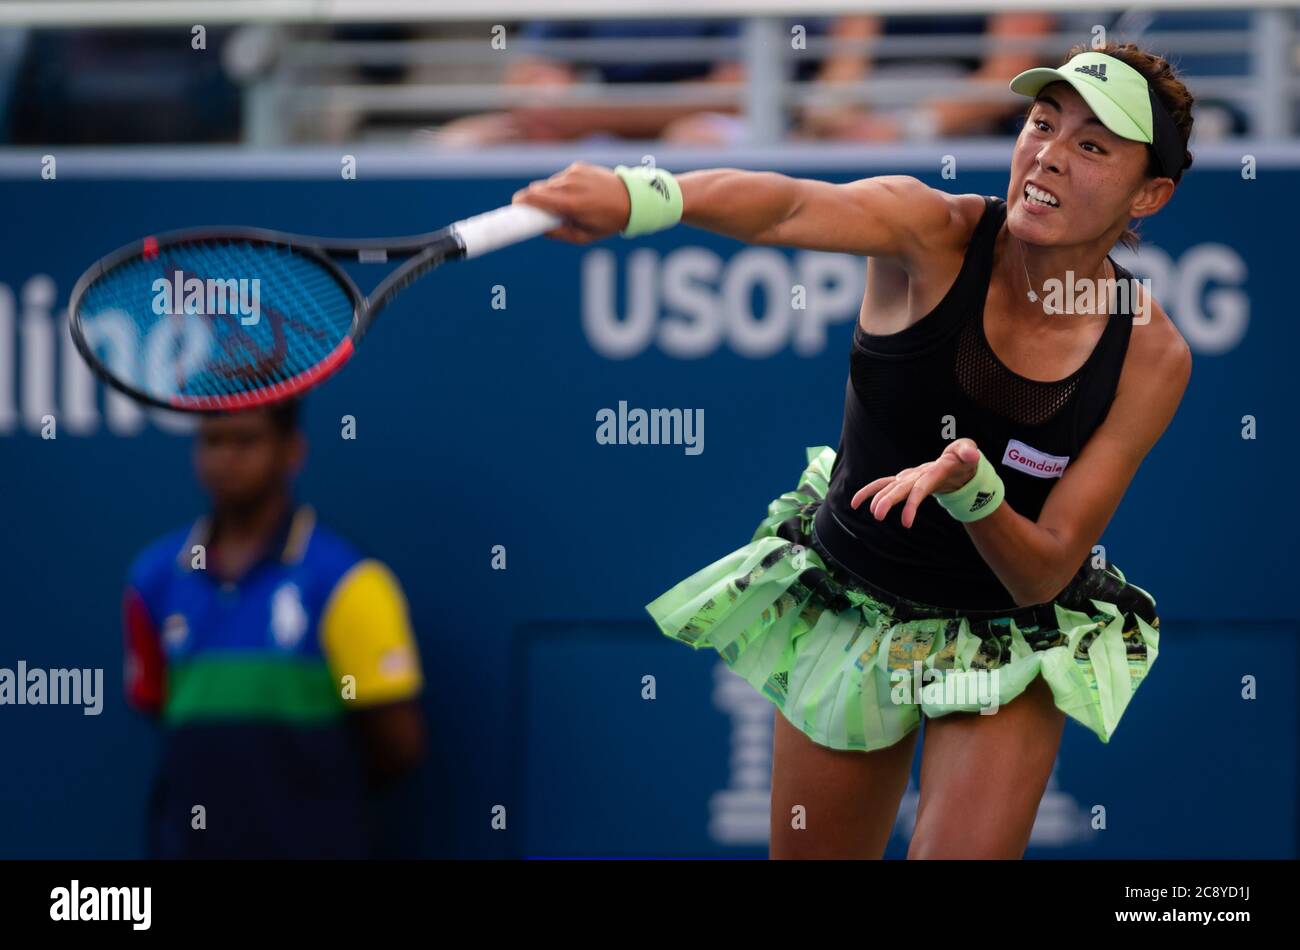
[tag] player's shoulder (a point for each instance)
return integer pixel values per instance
(1156, 343)
(961, 216)
(1158, 363)
(967, 210)
(944, 219)
(925, 200)
(930, 217)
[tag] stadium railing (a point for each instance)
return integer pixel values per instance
(292, 70)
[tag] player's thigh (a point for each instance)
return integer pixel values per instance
(982, 778)
(847, 800)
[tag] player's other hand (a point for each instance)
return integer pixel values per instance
(592, 201)
(950, 471)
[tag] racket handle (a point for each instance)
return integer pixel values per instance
(503, 227)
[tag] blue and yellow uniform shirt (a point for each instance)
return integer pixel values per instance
(253, 681)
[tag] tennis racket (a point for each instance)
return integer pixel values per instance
(219, 319)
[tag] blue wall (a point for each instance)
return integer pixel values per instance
(476, 428)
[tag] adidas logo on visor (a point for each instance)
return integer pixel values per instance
(1096, 71)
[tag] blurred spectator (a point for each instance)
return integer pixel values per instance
(939, 116)
(91, 87)
(1216, 116)
(279, 661)
(322, 82)
(13, 42)
(826, 117)
(543, 121)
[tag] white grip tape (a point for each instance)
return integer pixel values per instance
(502, 227)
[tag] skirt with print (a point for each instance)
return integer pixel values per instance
(855, 667)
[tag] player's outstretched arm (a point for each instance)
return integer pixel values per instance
(889, 216)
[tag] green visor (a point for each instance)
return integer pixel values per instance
(1120, 97)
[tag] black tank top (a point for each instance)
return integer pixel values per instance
(905, 387)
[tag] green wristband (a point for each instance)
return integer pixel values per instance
(655, 196)
(978, 498)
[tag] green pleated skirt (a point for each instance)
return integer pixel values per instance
(855, 669)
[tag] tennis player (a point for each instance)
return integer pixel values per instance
(990, 430)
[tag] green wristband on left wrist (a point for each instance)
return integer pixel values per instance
(655, 198)
(978, 498)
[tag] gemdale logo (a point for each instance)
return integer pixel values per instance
(212, 297)
(103, 903)
(1031, 461)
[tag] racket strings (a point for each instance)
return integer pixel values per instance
(217, 318)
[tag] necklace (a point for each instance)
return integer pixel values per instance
(1031, 293)
(1033, 297)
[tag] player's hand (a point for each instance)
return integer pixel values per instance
(950, 471)
(592, 201)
